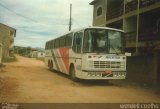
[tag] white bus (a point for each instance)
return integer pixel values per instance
(89, 53)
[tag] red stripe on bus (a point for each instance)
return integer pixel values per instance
(64, 52)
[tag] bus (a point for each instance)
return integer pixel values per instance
(90, 53)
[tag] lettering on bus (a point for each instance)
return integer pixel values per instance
(112, 57)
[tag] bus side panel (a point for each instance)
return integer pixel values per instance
(55, 59)
(60, 58)
(76, 60)
(48, 57)
(64, 59)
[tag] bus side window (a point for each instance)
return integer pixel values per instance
(46, 46)
(74, 43)
(69, 39)
(52, 44)
(77, 44)
(49, 44)
(62, 42)
(56, 43)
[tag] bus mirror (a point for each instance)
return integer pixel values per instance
(128, 54)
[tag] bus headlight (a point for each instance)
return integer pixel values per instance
(118, 74)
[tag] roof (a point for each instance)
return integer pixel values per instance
(9, 28)
(93, 2)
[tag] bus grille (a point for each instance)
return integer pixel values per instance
(106, 64)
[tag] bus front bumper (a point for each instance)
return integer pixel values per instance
(103, 75)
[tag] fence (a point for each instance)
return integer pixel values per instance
(144, 69)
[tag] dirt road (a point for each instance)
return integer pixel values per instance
(29, 81)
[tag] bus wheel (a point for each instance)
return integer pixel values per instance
(51, 66)
(48, 64)
(72, 73)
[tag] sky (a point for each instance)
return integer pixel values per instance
(37, 21)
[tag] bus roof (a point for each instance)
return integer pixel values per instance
(96, 27)
(93, 27)
(104, 28)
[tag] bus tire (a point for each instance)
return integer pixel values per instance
(72, 73)
(48, 64)
(51, 66)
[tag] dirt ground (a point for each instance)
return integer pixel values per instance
(29, 81)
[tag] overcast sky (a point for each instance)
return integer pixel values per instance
(38, 21)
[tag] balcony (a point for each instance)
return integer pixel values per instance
(145, 3)
(143, 36)
(114, 12)
(131, 6)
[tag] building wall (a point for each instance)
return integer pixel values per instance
(144, 69)
(99, 20)
(34, 54)
(148, 25)
(41, 54)
(6, 39)
(130, 24)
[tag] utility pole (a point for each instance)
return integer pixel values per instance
(137, 35)
(70, 20)
(124, 11)
(0, 53)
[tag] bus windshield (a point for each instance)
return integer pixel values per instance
(102, 41)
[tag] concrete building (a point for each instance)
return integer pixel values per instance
(41, 54)
(37, 54)
(34, 54)
(140, 19)
(7, 35)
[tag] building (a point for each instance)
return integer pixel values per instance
(41, 54)
(37, 54)
(34, 54)
(140, 19)
(7, 35)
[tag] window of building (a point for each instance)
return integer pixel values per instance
(99, 11)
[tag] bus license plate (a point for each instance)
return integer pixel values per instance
(107, 73)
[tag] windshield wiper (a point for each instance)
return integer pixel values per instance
(114, 49)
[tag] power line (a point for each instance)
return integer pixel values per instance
(77, 23)
(17, 13)
(23, 16)
(34, 21)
